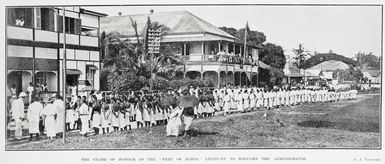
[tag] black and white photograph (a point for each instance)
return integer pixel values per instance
(193, 77)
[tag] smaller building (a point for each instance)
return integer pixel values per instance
(373, 76)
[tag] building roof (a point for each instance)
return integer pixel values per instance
(330, 65)
(292, 71)
(179, 22)
(326, 75)
(374, 73)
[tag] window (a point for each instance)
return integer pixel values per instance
(89, 31)
(47, 19)
(72, 25)
(22, 17)
(90, 75)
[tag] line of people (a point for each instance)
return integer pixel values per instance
(116, 112)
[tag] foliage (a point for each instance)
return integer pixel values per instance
(300, 56)
(351, 75)
(273, 55)
(253, 37)
(126, 65)
(321, 57)
(368, 61)
(176, 84)
(276, 76)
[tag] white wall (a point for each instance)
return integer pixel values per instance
(89, 20)
(19, 33)
(46, 36)
(19, 51)
(45, 53)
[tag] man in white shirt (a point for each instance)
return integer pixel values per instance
(18, 114)
(60, 109)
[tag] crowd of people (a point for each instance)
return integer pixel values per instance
(107, 113)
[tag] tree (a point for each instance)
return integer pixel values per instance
(351, 75)
(273, 55)
(368, 61)
(125, 63)
(300, 56)
(253, 37)
(321, 57)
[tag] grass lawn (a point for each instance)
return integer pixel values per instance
(351, 124)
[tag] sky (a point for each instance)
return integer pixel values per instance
(345, 30)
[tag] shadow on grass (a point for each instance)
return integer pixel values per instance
(195, 133)
(350, 125)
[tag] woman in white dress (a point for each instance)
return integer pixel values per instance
(246, 101)
(226, 100)
(105, 116)
(239, 99)
(146, 114)
(174, 124)
(115, 110)
(138, 113)
(84, 117)
(49, 112)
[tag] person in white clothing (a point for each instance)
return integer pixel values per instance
(84, 117)
(60, 120)
(49, 113)
(34, 114)
(17, 113)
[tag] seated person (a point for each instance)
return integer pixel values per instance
(20, 21)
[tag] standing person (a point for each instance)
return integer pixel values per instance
(34, 114)
(30, 91)
(253, 100)
(146, 113)
(115, 114)
(139, 112)
(17, 112)
(239, 99)
(95, 114)
(50, 112)
(174, 123)
(246, 101)
(69, 114)
(122, 115)
(84, 117)
(76, 105)
(227, 100)
(105, 116)
(60, 109)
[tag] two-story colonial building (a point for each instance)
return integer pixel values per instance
(34, 49)
(207, 51)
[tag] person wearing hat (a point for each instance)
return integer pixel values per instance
(17, 113)
(49, 113)
(34, 113)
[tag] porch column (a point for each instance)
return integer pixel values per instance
(203, 48)
(219, 46)
(219, 78)
(184, 48)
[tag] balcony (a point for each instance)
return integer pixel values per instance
(217, 59)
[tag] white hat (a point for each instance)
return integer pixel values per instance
(22, 94)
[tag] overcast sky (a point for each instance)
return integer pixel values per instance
(344, 29)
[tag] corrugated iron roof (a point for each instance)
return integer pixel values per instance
(330, 65)
(178, 21)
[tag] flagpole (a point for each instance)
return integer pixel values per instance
(64, 74)
(245, 48)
